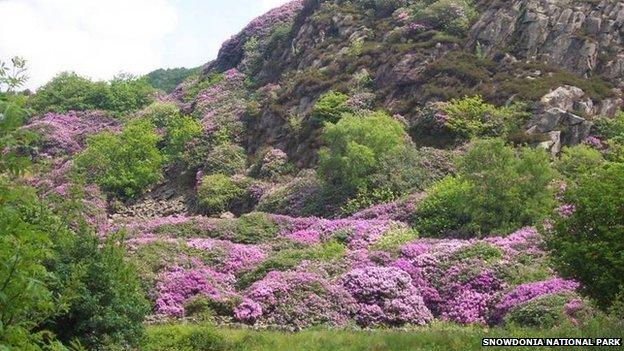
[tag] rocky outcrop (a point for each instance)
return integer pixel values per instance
(585, 37)
(558, 116)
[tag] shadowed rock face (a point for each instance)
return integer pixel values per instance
(585, 37)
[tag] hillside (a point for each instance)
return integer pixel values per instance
(352, 164)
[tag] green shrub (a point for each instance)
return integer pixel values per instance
(452, 16)
(179, 130)
(443, 211)
(255, 227)
(483, 251)
(107, 306)
(578, 160)
(365, 198)
(392, 240)
(472, 117)
(227, 158)
(355, 145)
(217, 191)
(302, 196)
(543, 312)
(496, 191)
(168, 79)
(587, 244)
(123, 164)
(408, 169)
(200, 83)
(330, 107)
(69, 91)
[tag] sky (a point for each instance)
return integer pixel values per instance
(101, 38)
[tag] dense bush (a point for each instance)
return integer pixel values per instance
(408, 169)
(69, 91)
(472, 117)
(123, 164)
(546, 311)
(496, 190)
(178, 130)
(217, 191)
(107, 305)
(587, 238)
(168, 79)
(452, 16)
(227, 158)
(355, 145)
(330, 107)
(578, 160)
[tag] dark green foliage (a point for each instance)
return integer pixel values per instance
(330, 107)
(355, 146)
(168, 79)
(124, 164)
(69, 91)
(588, 244)
(408, 169)
(496, 191)
(216, 192)
(108, 305)
(543, 312)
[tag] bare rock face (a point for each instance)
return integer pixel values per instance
(585, 37)
(557, 116)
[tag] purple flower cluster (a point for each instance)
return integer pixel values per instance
(67, 133)
(385, 295)
(295, 298)
(566, 210)
(401, 210)
(221, 106)
(262, 26)
(359, 233)
(178, 285)
(594, 142)
(237, 258)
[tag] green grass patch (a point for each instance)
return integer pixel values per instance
(439, 336)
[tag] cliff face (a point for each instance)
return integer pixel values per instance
(513, 50)
(585, 37)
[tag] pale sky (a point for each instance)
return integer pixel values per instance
(100, 38)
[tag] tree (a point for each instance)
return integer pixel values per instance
(123, 164)
(354, 147)
(497, 190)
(587, 240)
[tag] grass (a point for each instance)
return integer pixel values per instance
(439, 336)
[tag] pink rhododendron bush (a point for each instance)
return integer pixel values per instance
(301, 272)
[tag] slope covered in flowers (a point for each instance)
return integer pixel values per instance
(300, 272)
